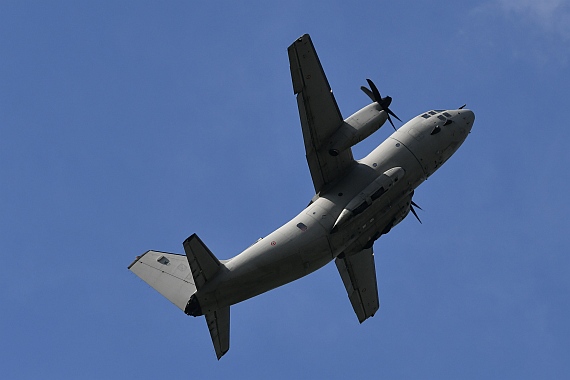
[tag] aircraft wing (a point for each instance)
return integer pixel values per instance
(319, 113)
(358, 274)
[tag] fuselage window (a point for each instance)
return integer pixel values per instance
(378, 193)
(302, 227)
(360, 208)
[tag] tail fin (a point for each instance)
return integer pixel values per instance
(178, 278)
(202, 261)
(168, 273)
(219, 326)
(204, 267)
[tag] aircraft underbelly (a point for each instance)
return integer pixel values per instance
(380, 213)
(306, 243)
(280, 258)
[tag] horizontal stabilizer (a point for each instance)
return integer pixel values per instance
(167, 273)
(219, 326)
(358, 274)
(202, 261)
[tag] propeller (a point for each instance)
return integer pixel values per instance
(414, 204)
(384, 103)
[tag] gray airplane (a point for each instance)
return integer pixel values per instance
(355, 202)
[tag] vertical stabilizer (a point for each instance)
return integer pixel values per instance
(202, 261)
(204, 267)
(219, 326)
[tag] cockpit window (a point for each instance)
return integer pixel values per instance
(439, 110)
(432, 112)
(436, 130)
(425, 116)
(448, 122)
(447, 114)
(440, 117)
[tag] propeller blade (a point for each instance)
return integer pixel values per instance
(377, 96)
(412, 205)
(384, 103)
(368, 92)
(392, 113)
(415, 205)
(415, 214)
(391, 122)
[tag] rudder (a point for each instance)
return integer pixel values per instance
(202, 261)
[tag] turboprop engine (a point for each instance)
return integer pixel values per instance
(357, 127)
(363, 123)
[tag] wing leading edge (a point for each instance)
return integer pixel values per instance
(319, 113)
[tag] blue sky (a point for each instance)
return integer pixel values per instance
(128, 126)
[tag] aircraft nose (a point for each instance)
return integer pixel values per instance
(468, 117)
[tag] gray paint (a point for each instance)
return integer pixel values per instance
(408, 157)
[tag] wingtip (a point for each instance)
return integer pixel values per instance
(137, 259)
(191, 237)
(134, 262)
(220, 354)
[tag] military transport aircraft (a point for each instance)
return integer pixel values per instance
(355, 202)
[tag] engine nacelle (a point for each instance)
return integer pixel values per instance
(356, 128)
(369, 194)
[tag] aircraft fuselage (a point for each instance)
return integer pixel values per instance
(372, 197)
(355, 203)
